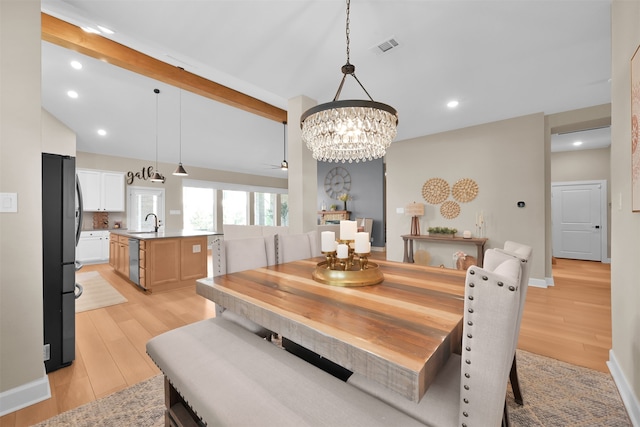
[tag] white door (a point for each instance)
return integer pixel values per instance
(143, 201)
(578, 220)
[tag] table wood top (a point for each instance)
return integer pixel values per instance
(399, 332)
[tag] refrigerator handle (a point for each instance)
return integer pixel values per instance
(80, 212)
(79, 291)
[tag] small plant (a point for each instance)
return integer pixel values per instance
(442, 230)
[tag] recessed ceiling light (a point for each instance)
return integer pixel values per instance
(105, 30)
(452, 104)
(577, 143)
(90, 30)
(77, 65)
(102, 132)
(72, 94)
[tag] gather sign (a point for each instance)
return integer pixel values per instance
(144, 174)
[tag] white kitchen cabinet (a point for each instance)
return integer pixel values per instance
(93, 247)
(102, 190)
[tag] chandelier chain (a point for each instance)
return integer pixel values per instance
(347, 29)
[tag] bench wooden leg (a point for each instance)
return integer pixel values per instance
(515, 384)
(177, 413)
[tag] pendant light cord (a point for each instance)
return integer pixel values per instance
(180, 128)
(157, 91)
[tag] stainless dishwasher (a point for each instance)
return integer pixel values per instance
(134, 261)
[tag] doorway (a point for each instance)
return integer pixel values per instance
(142, 201)
(579, 220)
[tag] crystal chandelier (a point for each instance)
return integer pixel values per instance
(349, 130)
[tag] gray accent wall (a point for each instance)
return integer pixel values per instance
(367, 191)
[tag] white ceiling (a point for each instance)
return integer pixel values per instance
(500, 59)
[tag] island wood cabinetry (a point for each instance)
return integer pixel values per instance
(119, 254)
(165, 260)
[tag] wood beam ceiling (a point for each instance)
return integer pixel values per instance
(63, 34)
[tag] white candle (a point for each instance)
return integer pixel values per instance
(361, 242)
(328, 241)
(343, 251)
(348, 230)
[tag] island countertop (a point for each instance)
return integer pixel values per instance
(163, 234)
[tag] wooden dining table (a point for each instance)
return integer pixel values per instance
(399, 333)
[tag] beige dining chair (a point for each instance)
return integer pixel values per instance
(292, 247)
(230, 256)
(367, 224)
(524, 254)
(470, 390)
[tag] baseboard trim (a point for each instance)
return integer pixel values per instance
(538, 283)
(25, 395)
(629, 399)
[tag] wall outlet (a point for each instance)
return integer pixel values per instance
(8, 202)
(196, 249)
(46, 352)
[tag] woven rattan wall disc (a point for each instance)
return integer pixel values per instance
(435, 190)
(450, 209)
(465, 190)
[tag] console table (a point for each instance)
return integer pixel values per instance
(454, 240)
(333, 216)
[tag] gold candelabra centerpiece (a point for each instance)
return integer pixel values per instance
(347, 260)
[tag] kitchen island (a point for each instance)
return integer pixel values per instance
(159, 261)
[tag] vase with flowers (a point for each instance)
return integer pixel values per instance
(344, 197)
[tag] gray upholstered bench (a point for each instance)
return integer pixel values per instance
(218, 373)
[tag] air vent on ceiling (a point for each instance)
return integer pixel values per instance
(387, 45)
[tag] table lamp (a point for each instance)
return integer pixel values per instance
(414, 210)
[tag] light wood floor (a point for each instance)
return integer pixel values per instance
(570, 321)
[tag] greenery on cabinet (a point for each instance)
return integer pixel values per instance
(442, 230)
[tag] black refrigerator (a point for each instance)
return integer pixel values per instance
(61, 224)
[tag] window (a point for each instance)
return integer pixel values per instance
(264, 209)
(198, 208)
(143, 201)
(235, 205)
(284, 209)
(207, 205)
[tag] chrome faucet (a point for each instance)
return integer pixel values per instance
(156, 220)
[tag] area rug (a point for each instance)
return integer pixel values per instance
(96, 293)
(555, 394)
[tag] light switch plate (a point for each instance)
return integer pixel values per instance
(196, 249)
(174, 212)
(8, 202)
(399, 210)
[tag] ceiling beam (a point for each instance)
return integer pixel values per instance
(63, 34)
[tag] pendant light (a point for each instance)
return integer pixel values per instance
(180, 171)
(349, 130)
(284, 165)
(157, 176)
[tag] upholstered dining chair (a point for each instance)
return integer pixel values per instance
(235, 255)
(524, 254)
(292, 247)
(470, 390)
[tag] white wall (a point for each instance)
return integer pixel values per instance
(505, 158)
(21, 334)
(625, 244)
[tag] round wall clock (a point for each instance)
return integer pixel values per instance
(336, 182)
